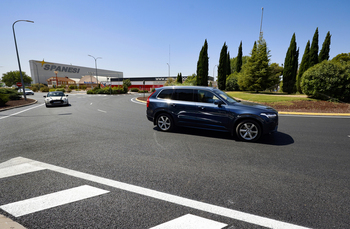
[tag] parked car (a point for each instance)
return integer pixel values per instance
(56, 98)
(209, 108)
(27, 91)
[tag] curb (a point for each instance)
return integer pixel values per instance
(9, 108)
(7, 223)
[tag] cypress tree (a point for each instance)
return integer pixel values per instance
(304, 65)
(203, 66)
(314, 49)
(324, 53)
(290, 67)
(238, 66)
(179, 78)
(222, 68)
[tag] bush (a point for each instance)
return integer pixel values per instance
(327, 80)
(13, 94)
(44, 89)
(134, 89)
(141, 91)
(61, 89)
(4, 98)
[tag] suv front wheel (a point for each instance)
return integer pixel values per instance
(165, 122)
(248, 130)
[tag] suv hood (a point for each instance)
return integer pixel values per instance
(255, 106)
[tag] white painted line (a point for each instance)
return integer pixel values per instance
(190, 222)
(40, 203)
(18, 170)
(194, 204)
(20, 112)
(102, 111)
(135, 101)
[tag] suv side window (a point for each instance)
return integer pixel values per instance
(166, 94)
(184, 95)
(206, 97)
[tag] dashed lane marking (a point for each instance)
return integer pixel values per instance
(190, 222)
(25, 207)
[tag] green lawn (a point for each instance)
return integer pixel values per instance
(265, 98)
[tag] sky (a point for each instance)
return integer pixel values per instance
(143, 38)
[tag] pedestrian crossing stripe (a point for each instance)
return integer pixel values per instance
(190, 222)
(28, 206)
(18, 170)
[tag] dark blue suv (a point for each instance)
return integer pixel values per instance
(209, 108)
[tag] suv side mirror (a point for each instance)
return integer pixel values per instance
(219, 103)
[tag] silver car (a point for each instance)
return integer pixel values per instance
(56, 98)
(27, 91)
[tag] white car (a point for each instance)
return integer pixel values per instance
(27, 91)
(56, 98)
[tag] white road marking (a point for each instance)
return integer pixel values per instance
(194, 204)
(18, 170)
(44, 202)
(190, 222)
(102, 111)
(135, 101)
(20, 112)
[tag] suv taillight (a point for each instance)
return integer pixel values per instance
(148, 98)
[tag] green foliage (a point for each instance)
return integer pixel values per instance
(12, 77)
(61, 89)
(304, 65)
(274, 78)
(179, 78)
(191, 80)
(127, 83)
(222, 68)
(314, 49)
(203, 66)
(4, 98)
(327, 80)
(108, 90)
(13, 94)
(134, 89)
(36, 87)
(44, 89)
(343, 57)
(239, 61)
(324, 53)
(291, 67)
(232, 82)
(256, 72)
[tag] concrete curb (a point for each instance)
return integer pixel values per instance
(9, 108)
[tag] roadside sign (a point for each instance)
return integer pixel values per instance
(19, 84)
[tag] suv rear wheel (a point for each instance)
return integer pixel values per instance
(248, 130)
(165, 122)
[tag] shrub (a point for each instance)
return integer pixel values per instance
(72, 87)
(44, 89)
(61, 89)
(4, 98)
(327, 80)
(153, 90)
(13, 94)
(134, 89)
(141, 91)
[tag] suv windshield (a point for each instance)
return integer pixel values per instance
(225, 96)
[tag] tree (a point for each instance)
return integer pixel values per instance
(228, 65)
(290, 67)
(203, 66)
(328, 80)
(238, 66)
(222, 68)
(12, 77)
(191, 80)
(324, 53)
(179, 78)
(342, 57)
(274, 79)
(314, 49)
(304, 65)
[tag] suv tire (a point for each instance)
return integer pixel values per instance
(165, 122)
(248, 130)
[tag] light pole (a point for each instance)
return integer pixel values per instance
(19, 64)
(56, 79)
(168, 69)
(96, 68)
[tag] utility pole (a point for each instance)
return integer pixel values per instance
(261, 32)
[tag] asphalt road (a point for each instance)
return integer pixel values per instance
(298, 177)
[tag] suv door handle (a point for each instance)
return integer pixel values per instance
(173, 105)
(201, 107)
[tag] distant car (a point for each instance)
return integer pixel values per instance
(56, 98)
(27, 91)
(211, 109)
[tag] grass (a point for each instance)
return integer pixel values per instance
(267, 98)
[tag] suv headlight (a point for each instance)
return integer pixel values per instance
(269, 115)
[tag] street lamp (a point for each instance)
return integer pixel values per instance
(19, 64)
(56, 79)
(168, 69)
(96, 68)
